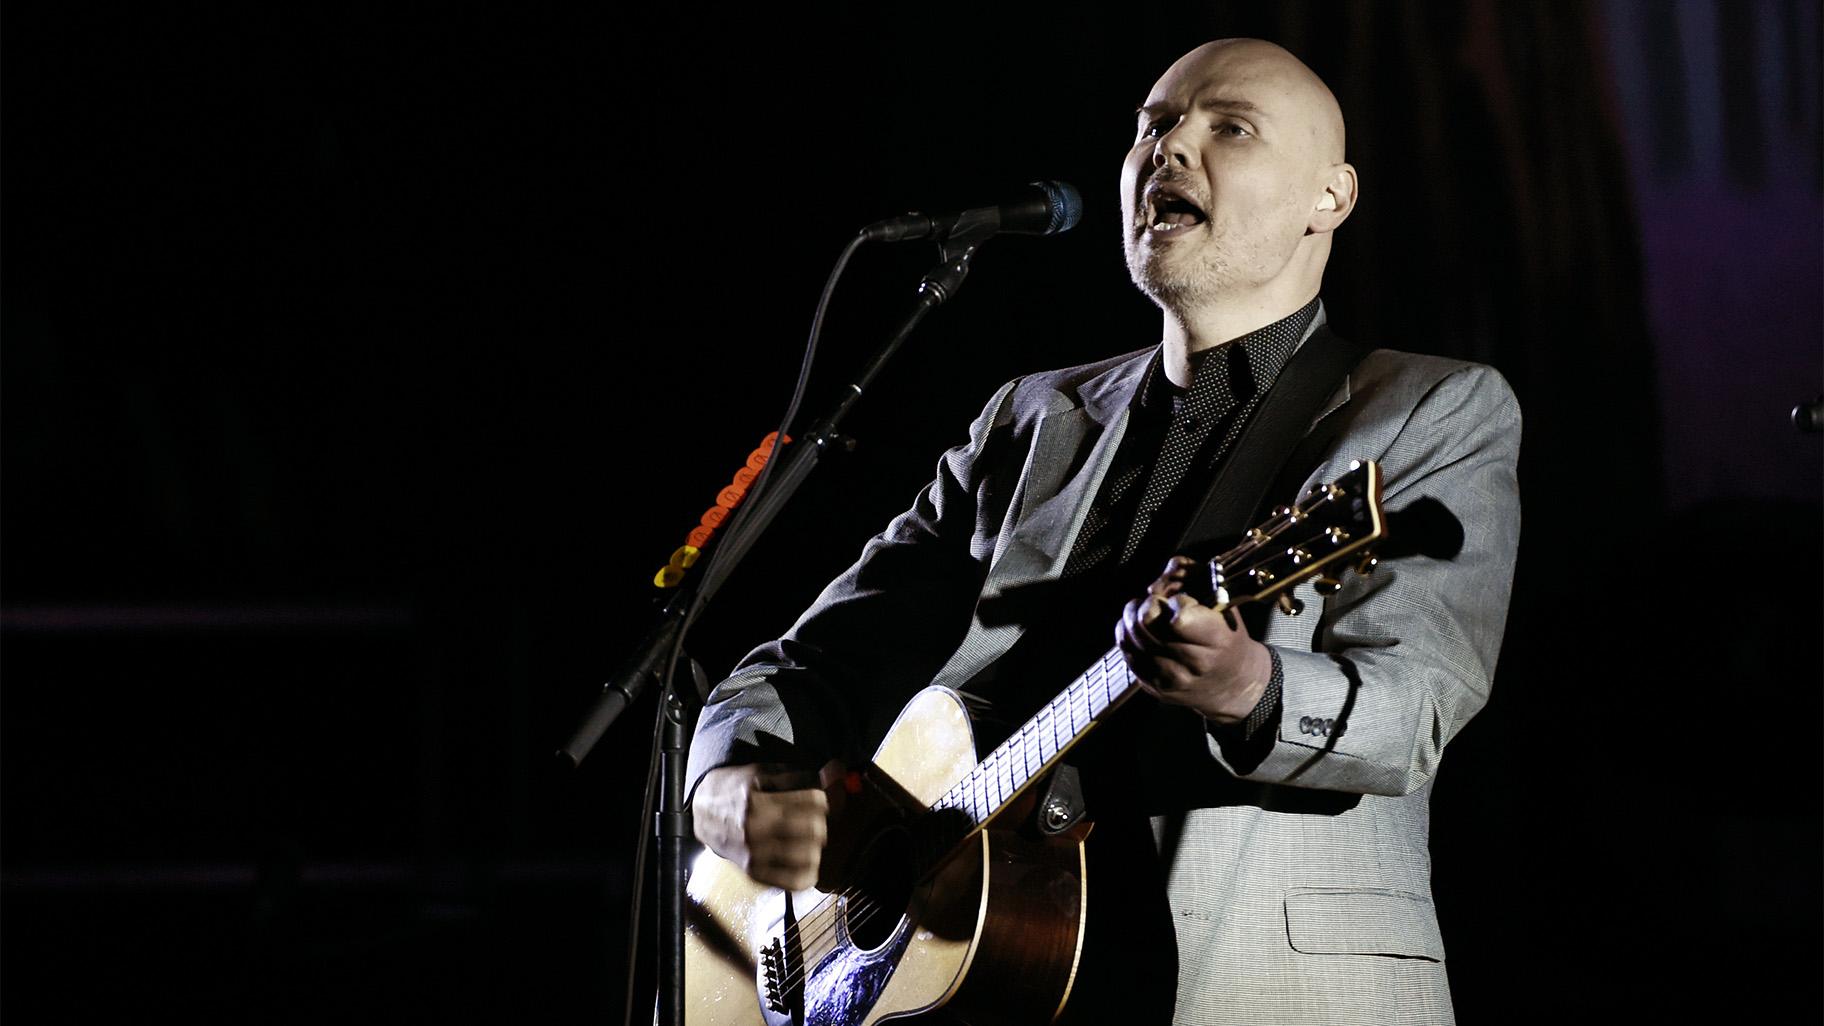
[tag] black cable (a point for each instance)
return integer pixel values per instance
(761, 480)
(695, 607)
(639, 858)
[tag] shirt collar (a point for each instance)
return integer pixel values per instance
(1236, 372)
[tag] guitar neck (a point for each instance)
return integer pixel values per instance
(1332, 525)
(1007, 771)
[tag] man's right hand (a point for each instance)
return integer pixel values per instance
(771, 822)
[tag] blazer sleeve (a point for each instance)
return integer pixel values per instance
(1402, 658)
(875, 636)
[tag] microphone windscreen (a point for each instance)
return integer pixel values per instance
(1065, 203)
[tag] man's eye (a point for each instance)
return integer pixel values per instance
(1156, 129)
(1232, 128)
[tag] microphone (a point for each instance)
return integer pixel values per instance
(1043, 208)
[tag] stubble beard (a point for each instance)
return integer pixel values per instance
(1180, 282)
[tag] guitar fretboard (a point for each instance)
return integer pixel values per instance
(997, 779)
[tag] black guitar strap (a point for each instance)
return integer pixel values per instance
(1261, 463)
(1272, 457)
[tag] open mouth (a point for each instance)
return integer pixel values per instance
(1169, 211)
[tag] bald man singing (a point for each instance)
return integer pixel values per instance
(1259, 852)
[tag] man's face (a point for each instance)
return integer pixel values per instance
(1218, 186)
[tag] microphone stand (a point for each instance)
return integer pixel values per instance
(651, 660)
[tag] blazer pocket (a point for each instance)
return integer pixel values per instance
(1362, 921)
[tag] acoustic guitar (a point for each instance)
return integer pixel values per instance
(936, 891)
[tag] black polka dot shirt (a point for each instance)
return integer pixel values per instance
(1176, 441)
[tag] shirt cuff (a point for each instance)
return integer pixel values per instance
(1266, 711)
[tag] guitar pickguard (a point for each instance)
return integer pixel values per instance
(848, 982)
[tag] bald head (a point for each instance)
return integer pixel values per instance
(1256, 67)
(1233, 185)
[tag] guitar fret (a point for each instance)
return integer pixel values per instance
(1057, 725)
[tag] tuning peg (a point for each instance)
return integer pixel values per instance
(1289, 605)
(1219, 580)
(1366, 565)
(1327, 585)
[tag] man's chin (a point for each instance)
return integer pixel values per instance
(1171, 289)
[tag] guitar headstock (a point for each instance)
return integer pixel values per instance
(1331, 528)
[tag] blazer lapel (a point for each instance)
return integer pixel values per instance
(1059, 483)
(1062, 480)
(1341, 396)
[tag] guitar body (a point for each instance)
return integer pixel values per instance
(993, 935)
(945, 902)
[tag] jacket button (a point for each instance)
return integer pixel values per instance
(1304, 724)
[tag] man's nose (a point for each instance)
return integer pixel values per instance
(1174, 148)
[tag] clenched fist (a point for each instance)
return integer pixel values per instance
(771, 822)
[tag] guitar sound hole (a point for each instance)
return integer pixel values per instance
(878, 899)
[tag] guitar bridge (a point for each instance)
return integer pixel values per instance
(773, 978)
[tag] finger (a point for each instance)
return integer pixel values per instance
(1176, 606)
(793, 803)
(1174, 687)
(1172, 579)
(1141, 615)
(792, 873)
(811, 830)
(1138, 659)
(785, 778)
(1193, 659)
(1195, 623)
(1166, 676)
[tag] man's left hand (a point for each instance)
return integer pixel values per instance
(1188, 654)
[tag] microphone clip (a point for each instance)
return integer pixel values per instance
(942, 281)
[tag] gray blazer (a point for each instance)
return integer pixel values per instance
(1298, 873)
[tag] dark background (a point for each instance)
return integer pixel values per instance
(362, 363)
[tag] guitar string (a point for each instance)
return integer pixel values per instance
(821, 939)
(965, 789)
(861, 907)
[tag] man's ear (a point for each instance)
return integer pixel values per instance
(1335, 203)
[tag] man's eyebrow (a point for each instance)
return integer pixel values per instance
(1217, 103)
(1236, 106)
